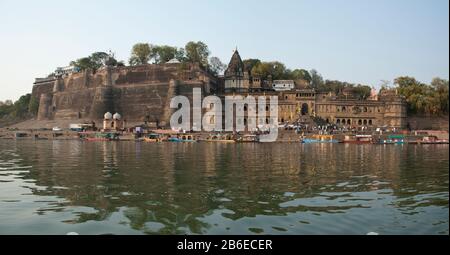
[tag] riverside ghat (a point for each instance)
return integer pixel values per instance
(114, 128)
(146, 102)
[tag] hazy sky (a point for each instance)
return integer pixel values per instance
(360, 41)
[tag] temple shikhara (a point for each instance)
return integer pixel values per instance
(143, 94)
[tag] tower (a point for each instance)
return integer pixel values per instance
(235, 75)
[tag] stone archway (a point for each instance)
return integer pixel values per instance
(305, 109)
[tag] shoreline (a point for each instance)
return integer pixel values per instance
(284, 136)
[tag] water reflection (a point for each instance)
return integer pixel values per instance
(130, 188)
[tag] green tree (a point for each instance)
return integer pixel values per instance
(34, 106)
(316, 79)
(414, 93)
(197, 52)
(21, 106)
(18, 110)
(95, 61)
(441, 88)
(181, 55)
(250, 63)
(262, 69)
(98, 59)
(276, 69)
(216, 66)
(362, 91)
(140, 54)
(279, 71)
(301, 74)
(83, 63)
(163, 53)
(422, 98)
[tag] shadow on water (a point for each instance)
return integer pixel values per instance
(133, 188)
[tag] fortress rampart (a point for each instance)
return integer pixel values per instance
(139, 93)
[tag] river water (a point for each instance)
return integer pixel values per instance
(56, 187)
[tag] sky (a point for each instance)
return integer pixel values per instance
(358, 41)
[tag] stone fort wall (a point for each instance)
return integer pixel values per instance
(140, 93)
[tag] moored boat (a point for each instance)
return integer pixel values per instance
(320, 139)
(153, 138)
(182, 139)
(100, 136)
(219, 138)
(247, 139)
(358, 139)
(392, 139)
(432, 140)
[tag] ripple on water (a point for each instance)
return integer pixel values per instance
(134, 188)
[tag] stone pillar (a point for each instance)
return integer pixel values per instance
(167, 111)
(58, 85)
(108, 82)
(45, 104)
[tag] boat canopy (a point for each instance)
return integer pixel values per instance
(396, 137)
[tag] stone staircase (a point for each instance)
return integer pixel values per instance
(307, 120)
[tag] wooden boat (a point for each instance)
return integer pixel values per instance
(358, 139)
(153, 138)
(393, 139)
(320, 139)
(20, 135)
(220, 138)
(182, 139)
(432, 140)
(247, 139)
(101, 137)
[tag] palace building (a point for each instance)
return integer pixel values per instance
(295, 101)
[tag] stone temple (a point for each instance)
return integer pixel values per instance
(143, 94)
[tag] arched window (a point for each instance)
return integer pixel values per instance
(365, 109)
(338, 121)
(360, 122)
(370, 122)
(365, 122)
(349, 122)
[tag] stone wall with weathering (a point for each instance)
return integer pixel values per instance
(140, 93)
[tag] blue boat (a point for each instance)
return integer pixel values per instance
(182, 139)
